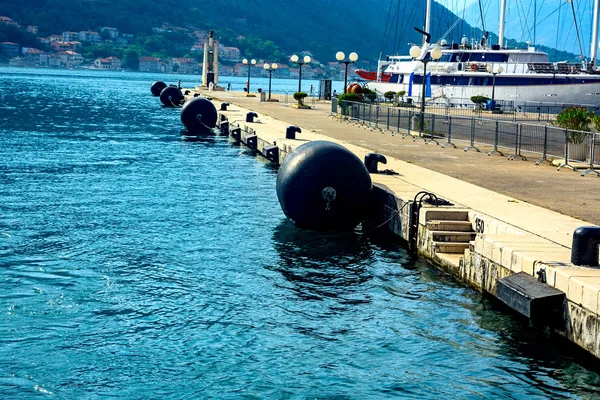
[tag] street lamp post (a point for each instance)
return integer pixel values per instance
(249, 64)
(490, 69)
(296, 60)
(435, 55)
(340, 56)
(270, 68)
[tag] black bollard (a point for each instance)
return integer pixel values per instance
(584, 250)
(371, 160)
(224, 106)
(250, 116)
(224, 125)
(290, 132)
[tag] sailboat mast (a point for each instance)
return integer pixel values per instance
(594, 44)
(427, 19)
(501, 26)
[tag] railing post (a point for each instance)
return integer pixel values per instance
(566, 162)
(410, 118)
(472, 145)
(432, 138)
(387, 124)
(517, 152)
(545, 152)
(592, 156)
(495, 143)
(376, 118)
(449, 142)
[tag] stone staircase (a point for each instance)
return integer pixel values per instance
(449, 233)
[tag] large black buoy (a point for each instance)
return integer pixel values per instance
(199, 115)
(171, 96)
(157, 87)
(323, 186)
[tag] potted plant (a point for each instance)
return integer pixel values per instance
(480, 101)
(577, 121)
(401, 95)
(348, 97)
(389, 95)
(300, 96)
(369, 95)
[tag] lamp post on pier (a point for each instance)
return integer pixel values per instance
(249, 64)
(340, 56)
(270, 68)
(296, 60)
(490, 69)
(435, 54)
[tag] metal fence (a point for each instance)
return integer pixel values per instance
(506, 138)
(504, 109)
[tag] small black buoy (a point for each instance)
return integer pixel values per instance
(323, 186)
(290, 132)
(171, 97)
(199, 115)
(157, 87)
(250, 116)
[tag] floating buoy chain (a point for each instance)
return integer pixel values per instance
(397, 211)
(171, 100)
(328, 193)
(199, 118)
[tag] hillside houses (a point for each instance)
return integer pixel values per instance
(151, 64)
(109, 63)
(9, 49)
(77, 49)
(65, 46)
(70, 58)
(8, 21)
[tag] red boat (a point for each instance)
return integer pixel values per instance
(372, 75)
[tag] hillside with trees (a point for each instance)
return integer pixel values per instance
(264, 29)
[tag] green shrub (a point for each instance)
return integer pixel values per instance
(349, 97)
(389, 95)
(576, 118)
(402, 93)
(369, 94)
(299, 96)
(479, 100)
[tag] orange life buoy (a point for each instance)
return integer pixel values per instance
(473, 67)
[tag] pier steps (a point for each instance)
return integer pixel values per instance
(448, 231)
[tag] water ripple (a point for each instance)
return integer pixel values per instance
(136, 264)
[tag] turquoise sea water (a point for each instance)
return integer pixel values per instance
(134, 264)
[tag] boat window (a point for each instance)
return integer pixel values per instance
(487, 57)
(528, 58)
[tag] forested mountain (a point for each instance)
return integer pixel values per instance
(272, 29)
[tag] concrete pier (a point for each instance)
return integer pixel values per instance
(506, 217)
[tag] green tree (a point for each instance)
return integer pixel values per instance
(131, 59)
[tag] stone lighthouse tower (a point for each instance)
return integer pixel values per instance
(210, 64)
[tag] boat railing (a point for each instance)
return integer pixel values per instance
(558, 68)
(516, 139)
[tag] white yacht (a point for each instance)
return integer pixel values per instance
(477, 69)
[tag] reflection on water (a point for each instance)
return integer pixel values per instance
(323, 264)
